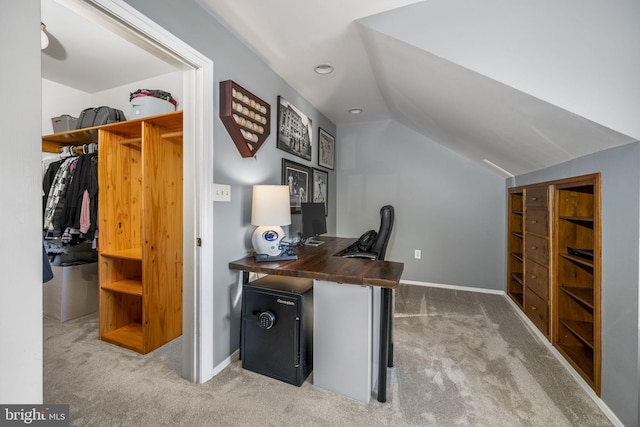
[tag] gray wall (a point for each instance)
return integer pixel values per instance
(620, 234)
(232, 228)
(450, 208)
(21, 195)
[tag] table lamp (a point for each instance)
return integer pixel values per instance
(270, 209)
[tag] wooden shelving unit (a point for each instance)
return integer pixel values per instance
(577, 315)
(140, 227)
(559, 291)
(515, 243)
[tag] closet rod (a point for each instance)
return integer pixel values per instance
(175, 134)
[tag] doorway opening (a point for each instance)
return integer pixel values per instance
(197, 104)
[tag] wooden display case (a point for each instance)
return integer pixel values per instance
(515, 261)
(577, 314)
(246, 117)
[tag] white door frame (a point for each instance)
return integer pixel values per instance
(129, 23)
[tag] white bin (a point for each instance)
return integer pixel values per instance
(72, 293)
(144, 106)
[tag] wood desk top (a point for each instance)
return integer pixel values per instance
(324, 263)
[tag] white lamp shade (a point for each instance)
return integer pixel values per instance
(270, 205)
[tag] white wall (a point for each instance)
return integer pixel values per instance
(20, 216)
(59, 99)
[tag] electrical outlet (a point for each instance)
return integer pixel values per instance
(417, 254)
(221, 193)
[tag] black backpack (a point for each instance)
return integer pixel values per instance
(90, 117)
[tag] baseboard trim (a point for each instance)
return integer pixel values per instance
(453, 287)
(234, 357)
(596, 399)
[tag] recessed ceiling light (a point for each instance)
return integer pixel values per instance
(323, 69)
(355, 110)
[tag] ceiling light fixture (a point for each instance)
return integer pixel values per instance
(44, 39)
(323, 69)
(355, 110)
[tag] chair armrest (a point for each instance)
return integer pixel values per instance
(364, 255)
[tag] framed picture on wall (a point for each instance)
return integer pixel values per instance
(294, 130)
(297, 177)
(320, 181)
(326, 149)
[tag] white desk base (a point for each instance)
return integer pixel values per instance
(346, 329)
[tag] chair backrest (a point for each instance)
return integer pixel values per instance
(386, 225)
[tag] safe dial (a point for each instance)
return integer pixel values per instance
(266, 319)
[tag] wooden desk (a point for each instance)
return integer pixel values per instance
(325, 263)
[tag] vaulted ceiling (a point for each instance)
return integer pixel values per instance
(519, 85)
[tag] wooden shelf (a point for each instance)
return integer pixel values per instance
(129, 336)
(584, 295)
(133, 254)
(127, 286)
(517, 256)
(517, 277)
(577, 315)
(581, 358)
(517, 212)
(140, 217)
(576, 219)
(582, 330)
(577, 259)
(517, 234)
(518, 298)
(171, 122)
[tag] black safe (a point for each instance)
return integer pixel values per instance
(277, 328)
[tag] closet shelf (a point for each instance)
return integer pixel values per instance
(127, 286)
(134, 254)
(171, 124)
(128, 336)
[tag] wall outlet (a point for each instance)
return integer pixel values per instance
(417, 254)
(221, 193)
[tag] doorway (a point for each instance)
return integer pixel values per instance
(197, 87)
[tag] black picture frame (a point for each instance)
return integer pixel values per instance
(295, 131)
(326, 149)
(298, 178)
(320, 189)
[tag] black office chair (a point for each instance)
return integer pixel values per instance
(377, 249)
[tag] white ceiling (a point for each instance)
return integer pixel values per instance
(523, 85)
(89, 57)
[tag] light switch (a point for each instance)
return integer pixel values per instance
(221, 193)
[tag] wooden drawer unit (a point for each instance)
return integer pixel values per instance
(537, 197)
(537, 310)
(537, 222)
(537, 249)
(537, 279)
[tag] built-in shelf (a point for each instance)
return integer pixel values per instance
(133, 254)
(127, 286)
(584, 295)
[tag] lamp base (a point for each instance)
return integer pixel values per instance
(282, 257)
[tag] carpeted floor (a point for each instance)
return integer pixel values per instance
(461, 359)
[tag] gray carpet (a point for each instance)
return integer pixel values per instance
(461, 359)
